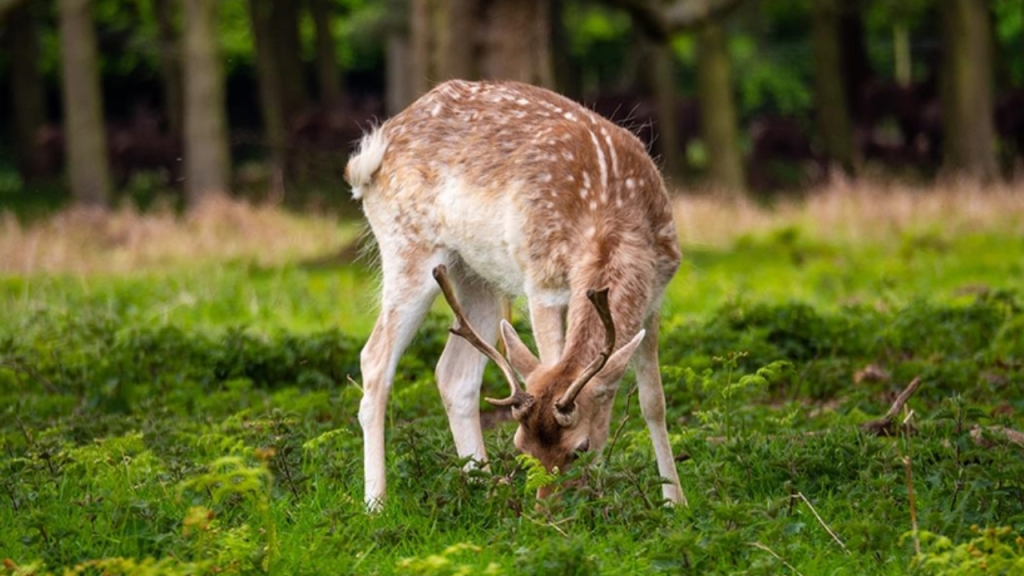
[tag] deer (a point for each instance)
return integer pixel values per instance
(485, 191)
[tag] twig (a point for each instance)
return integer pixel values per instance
(801, 496)
(622, 425)
(777, 557)
(883, 426)
(913, 507)
(551, 524)
(909, 469)
(17, 367)
(1009, 434)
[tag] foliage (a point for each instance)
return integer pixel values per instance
(990, 551)
(143, 436)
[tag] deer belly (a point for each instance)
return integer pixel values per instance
(485, 237)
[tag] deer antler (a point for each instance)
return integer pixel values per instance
(567, 403)
(462, 328)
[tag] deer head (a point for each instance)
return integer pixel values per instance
(564, 409)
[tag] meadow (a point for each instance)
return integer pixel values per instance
(178, 395)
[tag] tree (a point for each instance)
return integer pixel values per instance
(206, 145)
(517, 43)
(170, 63)
(287, 48)
(660, 22)
(88, 169)
(967, 106)
(28, 114)
(662, 72)
(833, 107)
(271, 94)
(326, 64)
(442, 38)
(718, 109)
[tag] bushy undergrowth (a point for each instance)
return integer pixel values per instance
(130, 449)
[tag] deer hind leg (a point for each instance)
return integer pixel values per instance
(408, 291)
(652, 404)
(461, 367)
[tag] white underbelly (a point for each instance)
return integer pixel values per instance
(484, 231)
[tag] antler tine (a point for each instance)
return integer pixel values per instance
(465, 330)
(599, 299)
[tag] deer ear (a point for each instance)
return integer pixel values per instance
(617, 362)
(518, 354)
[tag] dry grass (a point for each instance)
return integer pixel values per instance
(79, 241)
(82, 241)
(857, 212)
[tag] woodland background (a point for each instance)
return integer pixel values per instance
(182, 297)
(109, 99)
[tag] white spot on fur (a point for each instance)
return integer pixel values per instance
(586, 180)
(522, 101)
(591, 232)
(593, 205)
(630, 183)
(601, 165)
(568, 155)
(570, 116)
(545, 178)
(436, 110)
(611, 151)
(584, 192)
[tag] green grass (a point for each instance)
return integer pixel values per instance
(202, 418)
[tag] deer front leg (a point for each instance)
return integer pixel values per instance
(404, 303)
(461, 368)
(548, 324)
(652, 404)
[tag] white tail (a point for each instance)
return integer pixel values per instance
(510, 189)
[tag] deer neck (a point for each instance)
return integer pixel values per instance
(629, 284)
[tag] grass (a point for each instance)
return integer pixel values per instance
(174, 400)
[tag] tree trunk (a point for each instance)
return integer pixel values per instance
(400, 87)
(270, 90)
(967, 108)
(517, 44)
(422, 45)
(718, 121)
(206, 145)
(170, 63)
(664, 89)
(853, 53)
(88, 167)
(287, 49)
(27, 101)
(833, 109)
(443, 36)
(456, 29)
(326, 62)
(566, 78)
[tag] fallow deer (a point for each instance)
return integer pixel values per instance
(512, 189)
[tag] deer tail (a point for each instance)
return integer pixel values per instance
(365, 163)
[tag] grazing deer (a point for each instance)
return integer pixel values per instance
(512, 189)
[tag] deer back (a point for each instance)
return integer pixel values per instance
(523, 183)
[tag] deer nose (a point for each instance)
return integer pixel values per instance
(583, 446)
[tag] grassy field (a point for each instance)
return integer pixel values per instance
(175, 399)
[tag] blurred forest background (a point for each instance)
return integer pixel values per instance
(103, 101)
